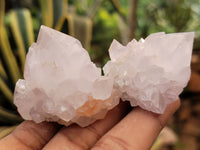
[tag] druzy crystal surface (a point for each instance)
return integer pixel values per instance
(151, 73)
(62, 84)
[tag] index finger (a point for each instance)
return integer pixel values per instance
(137, 130)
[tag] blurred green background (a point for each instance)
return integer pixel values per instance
(96, 23)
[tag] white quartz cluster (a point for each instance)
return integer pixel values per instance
(62, 84)
(151, 73)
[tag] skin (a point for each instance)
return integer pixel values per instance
(121, 129)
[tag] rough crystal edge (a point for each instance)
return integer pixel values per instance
(117, 51)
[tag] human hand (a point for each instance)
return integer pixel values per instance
(121, 129)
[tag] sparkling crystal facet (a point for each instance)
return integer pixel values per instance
(62, 84)
(60, 78)
(151, 73)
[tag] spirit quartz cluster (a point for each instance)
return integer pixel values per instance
(62, 84)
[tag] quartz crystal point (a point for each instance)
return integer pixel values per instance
(151, 73)
(61, 83)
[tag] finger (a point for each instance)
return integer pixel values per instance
(77, 138)
(137, 130)
(29, 136)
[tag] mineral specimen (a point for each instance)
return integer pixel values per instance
(151, 73)
(62, 84)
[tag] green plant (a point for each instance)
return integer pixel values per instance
(169, 16)
(17, 33)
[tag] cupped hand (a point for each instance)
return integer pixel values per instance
(121, 129)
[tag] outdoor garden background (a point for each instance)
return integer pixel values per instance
(96, 23)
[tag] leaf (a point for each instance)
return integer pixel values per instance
(7, 55)
(2, 11)
(79, 27)
(53, 11)
(60, 10)
(2, 71)
(47, 12)
(6, 91)
(83, 30)
(22, 29)
(9, 117)
(27, 32)
(18, 37)
(65, 24)
(5, 130)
